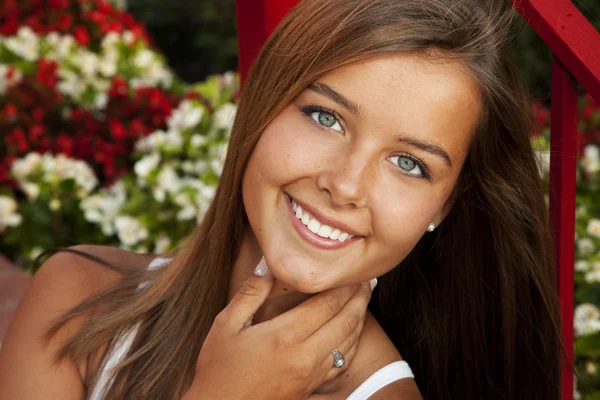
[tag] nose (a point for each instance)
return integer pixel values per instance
(345, 179)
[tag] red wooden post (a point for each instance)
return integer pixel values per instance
(563, 164)
(256, 20)
(575, 44)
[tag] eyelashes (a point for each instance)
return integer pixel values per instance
(329, 119)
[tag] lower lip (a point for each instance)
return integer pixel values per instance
(313, 238)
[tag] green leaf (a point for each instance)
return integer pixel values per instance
(588, 346)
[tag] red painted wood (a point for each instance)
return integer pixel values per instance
(570, 36)
(563, 164)
(256, 20)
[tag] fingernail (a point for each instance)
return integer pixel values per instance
(261, 269)
(373, 283)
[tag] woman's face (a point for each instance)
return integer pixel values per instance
(370, 152)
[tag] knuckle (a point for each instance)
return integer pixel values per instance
(352, 322)
(304, 364)
(333, 303)
(249, 289)
(281, 341)
(221, 320)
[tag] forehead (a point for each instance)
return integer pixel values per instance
(404, 94)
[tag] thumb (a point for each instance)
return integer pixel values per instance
(250, 296)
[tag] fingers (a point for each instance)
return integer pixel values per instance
(348, 349)
(251, 295)
(342, 325)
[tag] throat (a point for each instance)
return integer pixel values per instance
(282, 299)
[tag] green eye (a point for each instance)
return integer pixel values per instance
(327, 120)
(406, 163)
(324, 117)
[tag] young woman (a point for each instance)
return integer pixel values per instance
(375, 139)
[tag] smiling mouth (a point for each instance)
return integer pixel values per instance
(315, 231)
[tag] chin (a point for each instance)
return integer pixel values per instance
(296, 274)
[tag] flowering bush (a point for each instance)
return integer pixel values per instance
(587, 238)
(78, 78)
(173, 181)
(173, 176)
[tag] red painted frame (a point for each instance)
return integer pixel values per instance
(575, 44)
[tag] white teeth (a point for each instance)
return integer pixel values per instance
(335, 234)
(316, 227)
(324, 231)
(313, 226)
(305, 219)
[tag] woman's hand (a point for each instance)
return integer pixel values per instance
(286, 357)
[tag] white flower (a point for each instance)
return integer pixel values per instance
(186, 116)
(128, 37)
(160, 140)
(198, 140)
(168, 179)
(585, 246)
(25, 45)
(162, 243)
(23, 167)
(582, 266)
(129, 230)
(587, 319)
(8, 213)
(224, 116)
(145, 165)
(100, 101)
(87, 62)
(5, 80)
(103, 207)
(590, 161)
(143, 58)
(36, 251)
(593, 273)
(593, 228)
(54, 204)
(32, 190)
(107, 66)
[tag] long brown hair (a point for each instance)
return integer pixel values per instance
(473, 308)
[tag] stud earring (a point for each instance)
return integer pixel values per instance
(431, 227)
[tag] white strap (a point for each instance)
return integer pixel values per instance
(120, 348)
(386, 375)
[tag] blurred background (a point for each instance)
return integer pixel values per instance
(114, 120)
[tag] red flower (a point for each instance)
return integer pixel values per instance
(64, 144)
(36, 132)
(117, 130)
(119, 87)
(64, 23)
(58, 4)
(81, 35)
(46, 73)
(11, 112)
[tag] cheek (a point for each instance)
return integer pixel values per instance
(400, 218)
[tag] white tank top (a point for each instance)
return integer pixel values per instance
(386, 375)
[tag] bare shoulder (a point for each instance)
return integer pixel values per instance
(375, 351)
(28, 367)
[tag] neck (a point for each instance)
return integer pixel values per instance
(282, 297)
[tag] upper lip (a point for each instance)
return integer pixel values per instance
(325, 219)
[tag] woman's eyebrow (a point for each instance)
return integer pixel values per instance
(337, 97)
(356, 110)
(425, 146)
